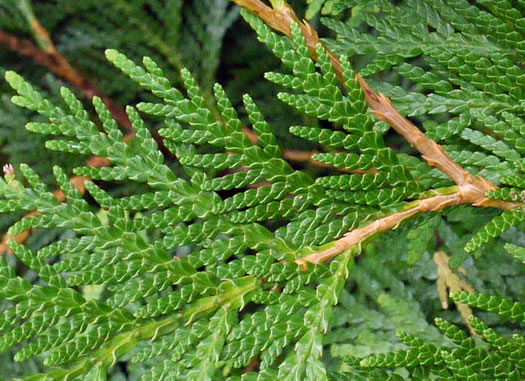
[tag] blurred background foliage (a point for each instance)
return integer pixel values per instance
(385, 292)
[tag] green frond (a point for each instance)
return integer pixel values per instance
(502, 306)
(181, 260)
(495, 227)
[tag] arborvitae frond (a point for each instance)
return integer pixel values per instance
(199, 264)
(462, 80)
(467, 359)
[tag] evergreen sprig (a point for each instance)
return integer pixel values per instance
(212, 265)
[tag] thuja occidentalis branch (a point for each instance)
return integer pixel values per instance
(47, 55)
(471, 190)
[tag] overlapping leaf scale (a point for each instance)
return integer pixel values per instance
(516, 122)
(356, 182)
(232, 295)
(350, 161)
(138, 289)
(80, 261)
(505, 11)
(453, 332)
(502, 129)
(473, 68)
(234, 181)
(479, 163)
(177, 343)
(53, 337)
(425, 79)
(274, 272)
(334, 229)
(489, 143)
(269, 341)
(73, 245)
(182, 235)
(46, 272)
(167, 217)
(261, 127)
(465, 360)
(286, 209)
(502, 306)
(478, 66)
(72, 215)
(386, 54)
(254, 197)
(192, 111)
(306, 277)
(479, 21)
(305, 361)
(325, 223)
(508, 194)
(269, 330)
(117, 273)
(82, 344)
(30, 328)
(330, 104)
(427, 354)
(233, 269)
(218, 250)
(478, 159)
(516, 181)
(285, 306)
(217, 161)
(227, 134)
(209, 348)
(143, 201)
(508, 348)
(322, 96)
(200, 284)
(378, 197)
(334, 139)
(495, 227)
(152, 80)
(420, 237)
(517, 251)
(175, 133)
(262, 265)
(45, 307)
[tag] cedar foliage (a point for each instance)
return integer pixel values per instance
(204, 253)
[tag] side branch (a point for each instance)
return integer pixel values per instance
(357, 236)
(463, 196)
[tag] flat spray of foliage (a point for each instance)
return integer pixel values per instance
(233, 264)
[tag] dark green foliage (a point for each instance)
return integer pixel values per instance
(180, 262)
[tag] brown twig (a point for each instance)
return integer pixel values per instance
(449, 280)
(471, 190)
(58, 64)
